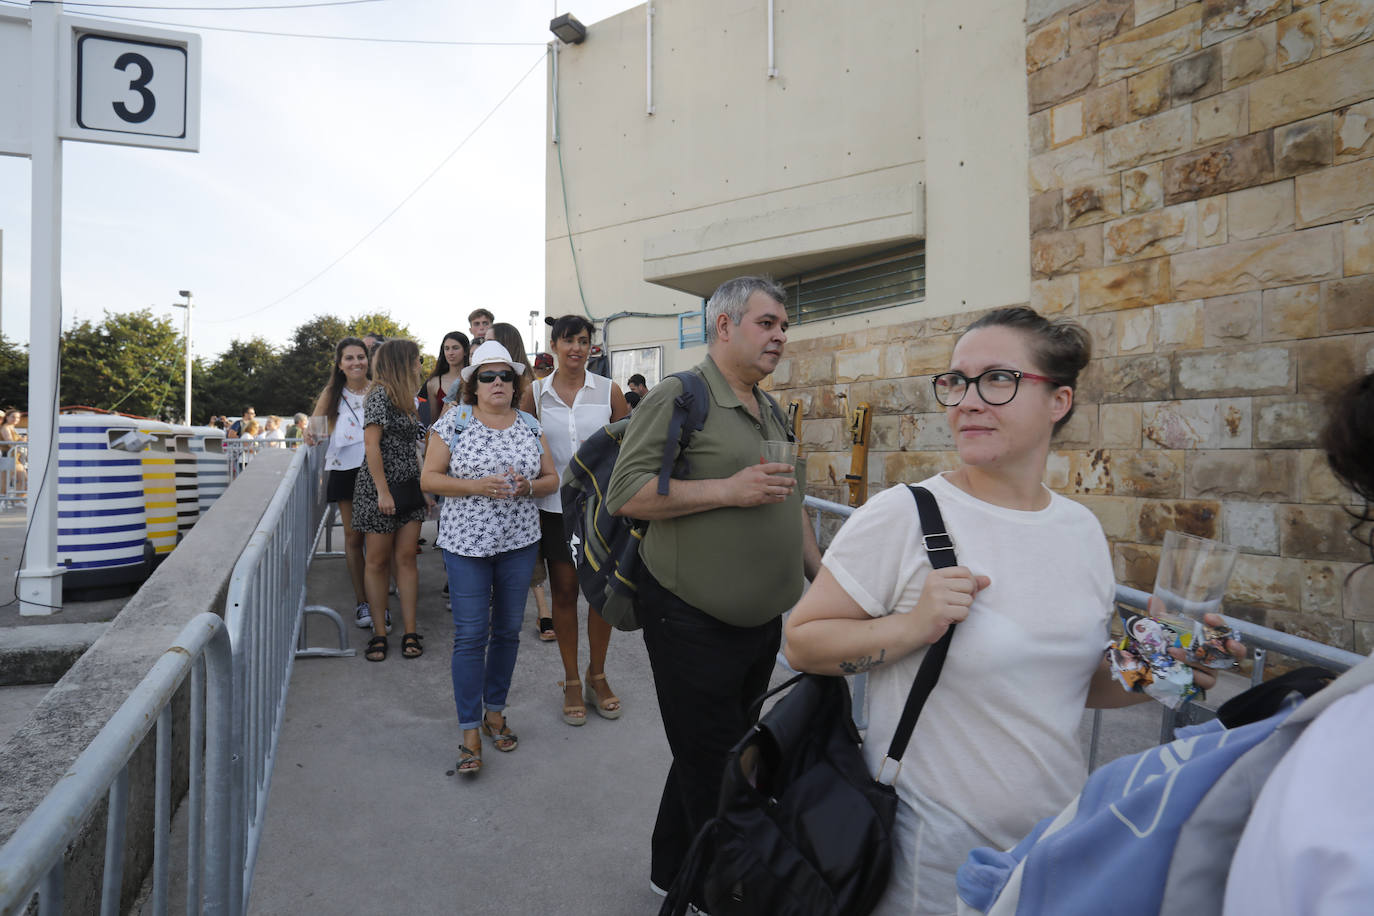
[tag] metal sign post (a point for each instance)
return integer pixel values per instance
(77, 79)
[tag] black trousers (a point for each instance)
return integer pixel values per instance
(707, 675)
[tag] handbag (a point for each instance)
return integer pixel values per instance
(801, 828)
(407, 496)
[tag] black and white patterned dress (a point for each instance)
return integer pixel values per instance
(399, 464)
(478, 526)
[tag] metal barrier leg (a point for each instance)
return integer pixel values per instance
(304, 651)
(115, 822)
(331, 518)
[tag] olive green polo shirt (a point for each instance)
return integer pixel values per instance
(742, 566)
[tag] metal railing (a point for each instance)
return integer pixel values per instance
(265, 615)
(14, 474)
(1259, 640)
(32, 860)
(238, 452)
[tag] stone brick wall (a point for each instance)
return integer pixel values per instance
(1201, 178)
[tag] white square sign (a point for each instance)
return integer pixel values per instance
(130, 86)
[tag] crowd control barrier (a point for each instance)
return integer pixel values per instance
(101, 516)
(265, 615)
(212, 468)
(187, 490)
(32, 859)
(14, 464)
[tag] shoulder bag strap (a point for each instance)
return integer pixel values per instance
(689, 413)
(940, 548)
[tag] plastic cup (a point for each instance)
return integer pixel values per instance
(1191, 582)
(778, 451)
(317, 427)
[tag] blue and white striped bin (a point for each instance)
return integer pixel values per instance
(101, 526)
(212, 467)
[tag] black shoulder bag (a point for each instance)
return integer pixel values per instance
(802, 829)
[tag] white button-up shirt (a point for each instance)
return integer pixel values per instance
(566, 427)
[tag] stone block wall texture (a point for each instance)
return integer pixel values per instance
(1202, 183)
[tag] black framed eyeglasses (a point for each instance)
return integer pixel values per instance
(505, 375)
(995, 386)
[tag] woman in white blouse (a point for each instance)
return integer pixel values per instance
(341, 405)
(489, 462)
(571, 404)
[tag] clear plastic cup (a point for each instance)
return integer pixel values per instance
(778, 451)
(1191, 581)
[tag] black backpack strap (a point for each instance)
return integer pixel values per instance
(689, 415)
(1265, 699)
(940, 548)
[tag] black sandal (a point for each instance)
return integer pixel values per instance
(546, 632)
(410, 646)
(376, 649)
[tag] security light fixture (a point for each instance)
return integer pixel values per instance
(568, 29)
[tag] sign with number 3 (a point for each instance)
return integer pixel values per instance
(138, 89)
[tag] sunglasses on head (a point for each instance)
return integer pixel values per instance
(505, 375)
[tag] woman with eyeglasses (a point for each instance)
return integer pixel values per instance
(388, 505)
(996, 747)
(572, 404)
(489, 461)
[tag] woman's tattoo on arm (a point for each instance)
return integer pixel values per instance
(863, 663)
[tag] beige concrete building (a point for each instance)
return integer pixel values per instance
(1192, 181)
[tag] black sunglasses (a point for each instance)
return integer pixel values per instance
(505, 375)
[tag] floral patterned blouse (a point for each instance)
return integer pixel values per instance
(479, 526)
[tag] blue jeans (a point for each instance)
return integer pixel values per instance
(487, 595)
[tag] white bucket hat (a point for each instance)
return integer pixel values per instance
(491, 352)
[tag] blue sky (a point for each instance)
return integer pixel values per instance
(307, 145)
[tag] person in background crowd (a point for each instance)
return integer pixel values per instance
(447, 373)
(272, 432)
(340, 404)
(998, 742)
(249, 416)
(723, 557)
(372, 341)
(488, 472)
(571, 404)
(636, 384)
(391, 427)
(632, 399)
(479, 323)
(9, 432)
(295, 433)
(251, 430)
(1308, 847)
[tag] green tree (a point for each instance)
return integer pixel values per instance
(303, 368)
(130, 361)
(14, 374)
(241, 376)
(377, 323)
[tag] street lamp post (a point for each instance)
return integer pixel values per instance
(536, 339)
(186, 293)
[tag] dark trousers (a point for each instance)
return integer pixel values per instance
(707, 675)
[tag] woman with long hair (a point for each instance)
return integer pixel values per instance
(997, 741)
(572, 404)
(489, 461)
(388, 505)
(340, 405)
(446, 375)
(9, 432)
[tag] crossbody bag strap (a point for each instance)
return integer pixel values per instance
(940, 548)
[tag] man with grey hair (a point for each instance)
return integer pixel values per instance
(722, 560)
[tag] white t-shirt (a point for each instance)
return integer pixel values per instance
(996, 747)
(1308, 847)
(567, 427)
(346, 449)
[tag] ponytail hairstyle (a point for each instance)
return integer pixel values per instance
(394, 368)
(333, 392)
(1061, 348)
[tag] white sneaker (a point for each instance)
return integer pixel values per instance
(656, 889)
(363, 615)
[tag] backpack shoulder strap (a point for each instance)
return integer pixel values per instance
(462, 413)
(780, 416)
(533, 423)
(940, 548)
(689, 415)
